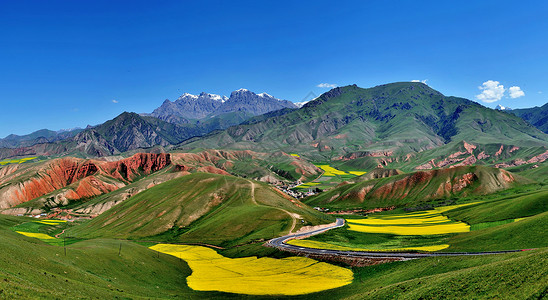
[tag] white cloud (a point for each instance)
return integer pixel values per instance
(540, 92)
(515, 92)
(492, 91)
(114, 101)
(327, 85)
(423, 81)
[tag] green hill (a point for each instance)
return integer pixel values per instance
(203, 208)
(32, 269)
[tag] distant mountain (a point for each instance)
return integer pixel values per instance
(37, 137)
(500, 107)
(255, 104)
(188, 106)
(395, 119)
(536, 116)
(126, 132)
(198, 107)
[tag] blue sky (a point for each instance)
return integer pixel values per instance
(62, 63)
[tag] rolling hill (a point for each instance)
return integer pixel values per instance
(203, 208)
(72, 185)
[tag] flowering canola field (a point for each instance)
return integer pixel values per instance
(328, 246)
(41, 236)
(16, 161)
(256, 276)
(428, 222)
(330, 171)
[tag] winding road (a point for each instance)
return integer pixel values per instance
(280, 243)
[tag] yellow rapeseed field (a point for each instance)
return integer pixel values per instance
(323, 245)
(41, 236)
(357, 173)
(295, 155)
(51, 222)
(413, 230)
(256, 276)
(16, 161)
(428, 222)
(330, 171)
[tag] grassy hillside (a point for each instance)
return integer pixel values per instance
(524, 234)
(203, 208)
(536, 116)
(31, 269)
(414, 189)
(508, 276)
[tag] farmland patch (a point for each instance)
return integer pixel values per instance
(256, 276)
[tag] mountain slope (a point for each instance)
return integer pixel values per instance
(400, 118)
(536, 116)
(414, 188)
(128, 131)
(205, 208)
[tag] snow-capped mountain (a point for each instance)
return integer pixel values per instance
(189, 106)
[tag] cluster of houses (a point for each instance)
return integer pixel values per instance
(290, 190)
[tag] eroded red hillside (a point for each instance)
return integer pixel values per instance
(88, 178)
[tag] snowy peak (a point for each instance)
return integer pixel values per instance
(500, 107)
(202, 96)
(300, 104)
(187, 96)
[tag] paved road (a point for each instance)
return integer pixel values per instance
(280, 244)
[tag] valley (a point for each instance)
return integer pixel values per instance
(402, 195)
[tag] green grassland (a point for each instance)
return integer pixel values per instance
(202, 208)
(507, 276)
(32, 269)
(93, 268)
(215, 209)
(506, 220)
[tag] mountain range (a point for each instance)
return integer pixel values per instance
(203, 106)
(396, 120)
(169, 124)
(536, 116)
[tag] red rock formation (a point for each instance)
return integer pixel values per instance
(80, 175)
(142, 163)
(499, 152)
(355, 155)
(518, 162)
(469, 147)
(470, 160)
(482, 155)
